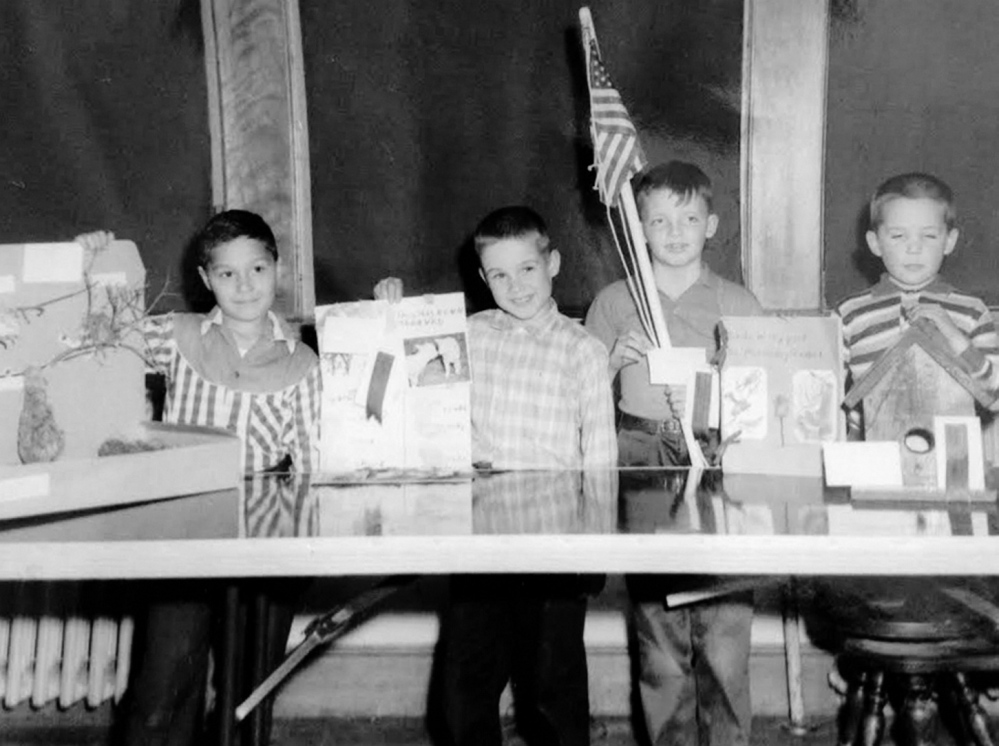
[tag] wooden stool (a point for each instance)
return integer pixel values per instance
(908, 642)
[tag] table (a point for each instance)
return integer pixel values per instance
(602, 521)
(609, 521)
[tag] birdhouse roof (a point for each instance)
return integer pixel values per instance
(927, 337)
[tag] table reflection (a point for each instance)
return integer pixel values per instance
(639, 501)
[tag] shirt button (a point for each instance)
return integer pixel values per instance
(236, 374)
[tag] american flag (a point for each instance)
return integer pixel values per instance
(618, 153)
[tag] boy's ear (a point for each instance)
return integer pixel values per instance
(952, 235)
(872, 243)
(482, 274)
(204, 277)
(712, 226)
(554, 262)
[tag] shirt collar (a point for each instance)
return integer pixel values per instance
(541, 323)
(707, 278)
(276, 331)
(886, 286)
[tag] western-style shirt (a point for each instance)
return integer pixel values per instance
(268, 396)
(541, 397)
(691, 320)
(874, 320)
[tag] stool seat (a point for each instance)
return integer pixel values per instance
(916, 645)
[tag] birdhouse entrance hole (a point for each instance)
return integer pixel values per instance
(918, 440)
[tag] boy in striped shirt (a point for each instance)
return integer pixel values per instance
(541, 398)
(912, 229)
(239, 368)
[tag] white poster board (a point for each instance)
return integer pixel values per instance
(396, 383)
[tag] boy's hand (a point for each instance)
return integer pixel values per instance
(95, 241)
(390, 289)
(676, 397)
(941, 319)
(628, 349)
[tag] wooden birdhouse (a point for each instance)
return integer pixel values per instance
(916, 381)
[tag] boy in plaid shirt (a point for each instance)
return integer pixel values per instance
(541, 399)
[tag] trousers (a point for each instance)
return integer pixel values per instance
(527, 631)
(693, 662)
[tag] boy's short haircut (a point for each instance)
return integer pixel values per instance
(912, 186)
(683, 179)
(228, 226)
(515, 221)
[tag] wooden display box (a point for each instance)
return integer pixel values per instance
(192, 460)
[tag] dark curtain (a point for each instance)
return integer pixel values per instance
(913, 86)
(424, 116)
(105, 125)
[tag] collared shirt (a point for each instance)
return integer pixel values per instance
(873, 322)
(269, 396)
(540, 393)
(691, 321)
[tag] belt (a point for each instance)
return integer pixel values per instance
(653, 427)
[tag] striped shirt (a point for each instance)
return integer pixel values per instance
(540, 394)
(269, 396)
(691, 321)
(873, 322)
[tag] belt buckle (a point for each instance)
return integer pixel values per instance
(668, 427)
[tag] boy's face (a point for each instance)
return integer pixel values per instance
(912, 239)
(519, 274)
(243, 277)
(676, 227)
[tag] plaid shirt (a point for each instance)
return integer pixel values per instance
(269, 397)
(873, 323)
(541, 397)
(545, 502)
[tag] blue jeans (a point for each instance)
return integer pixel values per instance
(693, 662)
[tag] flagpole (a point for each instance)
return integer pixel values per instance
(626, 203)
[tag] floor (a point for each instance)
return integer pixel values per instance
(400, 732)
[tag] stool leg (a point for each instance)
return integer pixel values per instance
(971, 712)
(848, 719)
(872, 724)
(918, 721)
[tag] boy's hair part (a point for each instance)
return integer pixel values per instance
(683, 179)
(228, 226)
(515, 221)
(913, 186)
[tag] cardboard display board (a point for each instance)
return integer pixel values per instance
(75, 317)
(781, 386)
(72, 355)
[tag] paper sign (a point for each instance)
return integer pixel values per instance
(7, 284)
(863, 464)
(675, 366)
(11, 384)
(52, 262)
(20, 488)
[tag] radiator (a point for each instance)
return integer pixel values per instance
(61, 644)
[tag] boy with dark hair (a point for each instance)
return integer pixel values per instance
(694, 661)
(913, 228)
(241, 368)
(541, 399)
